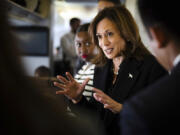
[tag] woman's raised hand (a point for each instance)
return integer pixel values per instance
(107, 101)
(70, 87)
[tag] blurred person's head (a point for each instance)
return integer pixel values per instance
(57, 50)
(107, 3)
(115, 33)
(9, 55)
(84, 47)
(74, 24)
(162, 25)
(22, 101)
(42, 71)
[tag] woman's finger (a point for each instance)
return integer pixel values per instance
(99, 98)
(59, 85)
(60, 92)
(62, 79)
(85, 82)
(95, 95)
(101, 93)
(69, 76)
(97, 90)
(106, 106)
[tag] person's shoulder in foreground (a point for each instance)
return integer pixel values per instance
(151, 66)
(155, 110)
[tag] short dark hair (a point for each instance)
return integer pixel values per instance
(83, 28)
(162, 13)
(115, 2)
(43, 71)
(57, 48)
(126, 25)
(74, 20)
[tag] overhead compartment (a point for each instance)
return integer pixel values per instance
(30, 11)
(30, 20)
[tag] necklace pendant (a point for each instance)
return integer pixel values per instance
(116, 73)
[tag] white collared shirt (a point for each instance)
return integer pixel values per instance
(176, 60)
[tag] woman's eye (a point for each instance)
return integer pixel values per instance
(87, 44)
(78, 44)
(98, 36)
(109, 34)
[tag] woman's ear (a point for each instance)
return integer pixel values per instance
(160, 36)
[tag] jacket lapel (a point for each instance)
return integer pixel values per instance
(127, 77)
(101, 76)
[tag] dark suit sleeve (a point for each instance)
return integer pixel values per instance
(128, 118)
(153, 111)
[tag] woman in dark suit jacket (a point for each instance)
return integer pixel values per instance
(124, 67)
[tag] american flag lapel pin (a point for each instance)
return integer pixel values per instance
(130, 75)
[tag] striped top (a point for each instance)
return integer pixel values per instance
(87, 71)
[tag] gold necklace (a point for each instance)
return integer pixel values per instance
(115, 73)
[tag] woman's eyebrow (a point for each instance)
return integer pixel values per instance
(104, 32)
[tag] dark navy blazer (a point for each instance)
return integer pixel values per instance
(155, 110)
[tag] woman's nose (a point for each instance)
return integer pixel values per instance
(83, 49)
(105, 41)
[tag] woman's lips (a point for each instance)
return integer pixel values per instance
(84, 56)
(109, 51)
